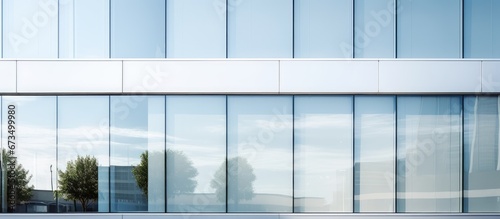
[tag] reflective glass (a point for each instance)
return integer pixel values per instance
(137, 29)
(481, 29)
(323, 29)
(83, 29)
(1, 28)
(374, 153)
(259, 166)
(29, 147)
(260, 29)
(83, 152)
(428, 153)
(481, 154)
(429, 29)
(196, 154)
(374, 28)
(30, 28)
(196, 29)
(323, 154)
(137, 153)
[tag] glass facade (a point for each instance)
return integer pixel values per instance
(241, 153)
(50, 29)
(429, 29)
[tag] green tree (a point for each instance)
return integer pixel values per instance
(241, 178)
(22, 178)
(181, 172)
(79, 181)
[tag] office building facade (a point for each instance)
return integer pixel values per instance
(250, 108)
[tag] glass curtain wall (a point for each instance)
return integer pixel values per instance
(374, 153)
(481, 154)
(83, 29)
(429, 153)
(30, 29)
(29, 154)
(259, 162)
(137, 153)
(314, 153)
(481, 29)
(196, 154)
(323, 154)
(83, 153)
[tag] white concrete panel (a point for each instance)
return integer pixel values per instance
(430, 76)
(69, 76)
(7, 76)
(329, 76)
(490, 76)
(218, 76)
(203, 216)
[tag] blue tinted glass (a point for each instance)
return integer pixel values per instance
(323, 154)
(137, 153)
(259, 162)
(83, 132)
(196, 29)
(30, 28)
(374, 29)
(196, 154)
(84, 29)
(429, 154)
(260, 29)
(323, 28)
(428, 29)
(29, 139)
(374, 151)
(481, 29)
(481, 154)
(137, 29)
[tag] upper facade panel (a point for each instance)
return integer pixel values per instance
(200, 29)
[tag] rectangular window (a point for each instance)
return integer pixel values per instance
(429, 154)
(481, 154)
(196, 28)
(429, 29)
(137, 29)
(374, 28)
(29, 140)
(259, 162)
(481, 29)
(83, 138)
(323, 29)
(30, 28)
(83, 29)
(196, 154)
(323, 154)
(374, 153)
(260, 29)
(137, 159)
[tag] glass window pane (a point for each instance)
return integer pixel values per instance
(374, 28)
(428, 152)
(137, 158)
(83, 144)
(30, 29)
(259, 166)
(137, 29)
(428, 29)
(323, 154)
(481, 29)
(481, 154)
(260, 29)
(323, 29)
(83, 29)
(196, 154)
(29, 146)
(196, 29)
(374, 151)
